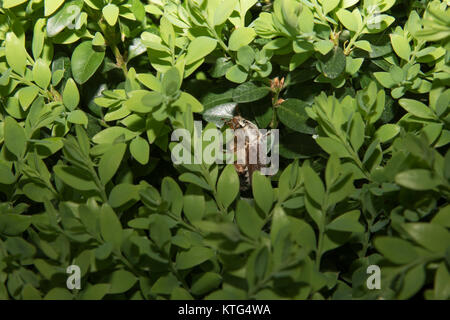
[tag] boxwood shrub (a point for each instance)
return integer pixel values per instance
(92, 90)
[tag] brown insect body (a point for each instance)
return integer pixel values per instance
(245, 170)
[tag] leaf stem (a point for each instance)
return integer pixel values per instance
(207, 176)
(110, 41)
(319, 251)
(213, 32)
(349, 47)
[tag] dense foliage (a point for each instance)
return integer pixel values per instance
(91, 90)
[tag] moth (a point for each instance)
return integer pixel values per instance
(247, 141)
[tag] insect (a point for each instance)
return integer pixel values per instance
(247, 142)
(244, 147)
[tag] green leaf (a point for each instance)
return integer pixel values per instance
(396, 250)
(30, 293)
(447, 164)
(58, 294)
(228, 186)
(332, 146)
(417, 179)
(220, 113)
(15, 138)
(109, 135)
(442, 282)
(397, 93)
(220, 68)
(15, 52)
(187, 100)
(13, 224)
(111, 13)
(387, 132)
(140, 150)
(38, 38)
(313, 185)
(103, 251)
(293, 115)
(429, 235)
(12, 3)
(332, 170)
(329, 5)
(248, 220)
(194, 179)
(207, 281)
(110, 162)
(199, 48)
(167, 32)
(373, 156)
(138, 9)
(171, 82)
(123, 193)
(417, 108)
(77, 117)
(412, 282)
(298, 59)
(241, 37)
(194, 204)
(150, 81)
(85, 61)
(397, 74)
(27, 96)
(347, 222)
(98, 40)
(262, 191)
(193, 257)
(323, 46)
(75, 177)
(246, 5)
(334, 63)
(71, 96)
(95, 292)
(171, 192)
(442, 217)
(364, 45)
(160, 233)
(20, 248)
(41, 74)
(246, 56)
(249, 92)
(6, 176)
(357, 132)
(143, 101)
(257, 265)
(165, 284)
(47, 270)
(280, 221)
(401, 46)
(223, 11)
(289, 12)
(50, 6)
(236, 74)
(64, 17)
(353, 65)
(303, 233)
(121, 281)
(347, 19)
(110, 227)
(385, 79)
